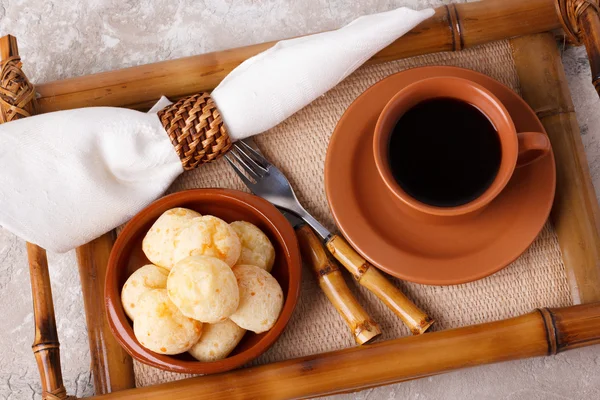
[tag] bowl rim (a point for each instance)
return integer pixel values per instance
(119, 323)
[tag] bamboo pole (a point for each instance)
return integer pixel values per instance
(370, 278)
(18, 101)
(112, 367)
(331, 281)
(452, 28)
(575, 213)
(542, 332)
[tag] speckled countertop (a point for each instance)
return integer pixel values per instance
(65, 38)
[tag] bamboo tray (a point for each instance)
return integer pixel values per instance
(575, 216)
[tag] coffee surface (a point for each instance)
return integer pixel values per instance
(444, 152)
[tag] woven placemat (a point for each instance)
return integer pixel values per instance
(298, 148)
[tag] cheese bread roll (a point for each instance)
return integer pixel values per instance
(207, 236)
(256, 246)
(261, 299)
(161, 327)
(159, 242)
(203, 288)
(144, 279)
(217, 341)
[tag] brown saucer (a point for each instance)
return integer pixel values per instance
(427, 252)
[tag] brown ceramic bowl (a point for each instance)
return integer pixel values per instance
(230, 205)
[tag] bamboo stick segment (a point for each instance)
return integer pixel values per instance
(452, 28)
(573, 327)
(369, 277)
(539, 333)
(490, 20)
(46, 347)
(112, 367)
(331, 281)
(18, 101)
(8, 47)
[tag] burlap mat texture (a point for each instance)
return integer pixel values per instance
(298, 147)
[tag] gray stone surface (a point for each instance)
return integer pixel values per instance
(64, 38)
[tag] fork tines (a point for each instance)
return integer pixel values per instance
(253, 164)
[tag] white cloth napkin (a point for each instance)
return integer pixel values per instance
(266, 89)
(69, 176)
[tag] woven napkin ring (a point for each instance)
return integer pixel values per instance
(196, 130)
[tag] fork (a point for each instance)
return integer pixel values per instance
(267, 181)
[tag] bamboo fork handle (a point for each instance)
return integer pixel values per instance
(369, 277)
(331, 281)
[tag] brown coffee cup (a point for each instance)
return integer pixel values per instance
(517, 148)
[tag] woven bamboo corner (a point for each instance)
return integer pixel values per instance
(575, 214)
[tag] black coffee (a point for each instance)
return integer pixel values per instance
(444, 152)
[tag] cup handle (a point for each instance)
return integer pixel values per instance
(532, 147)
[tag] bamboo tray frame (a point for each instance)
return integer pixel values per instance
(575, 215)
